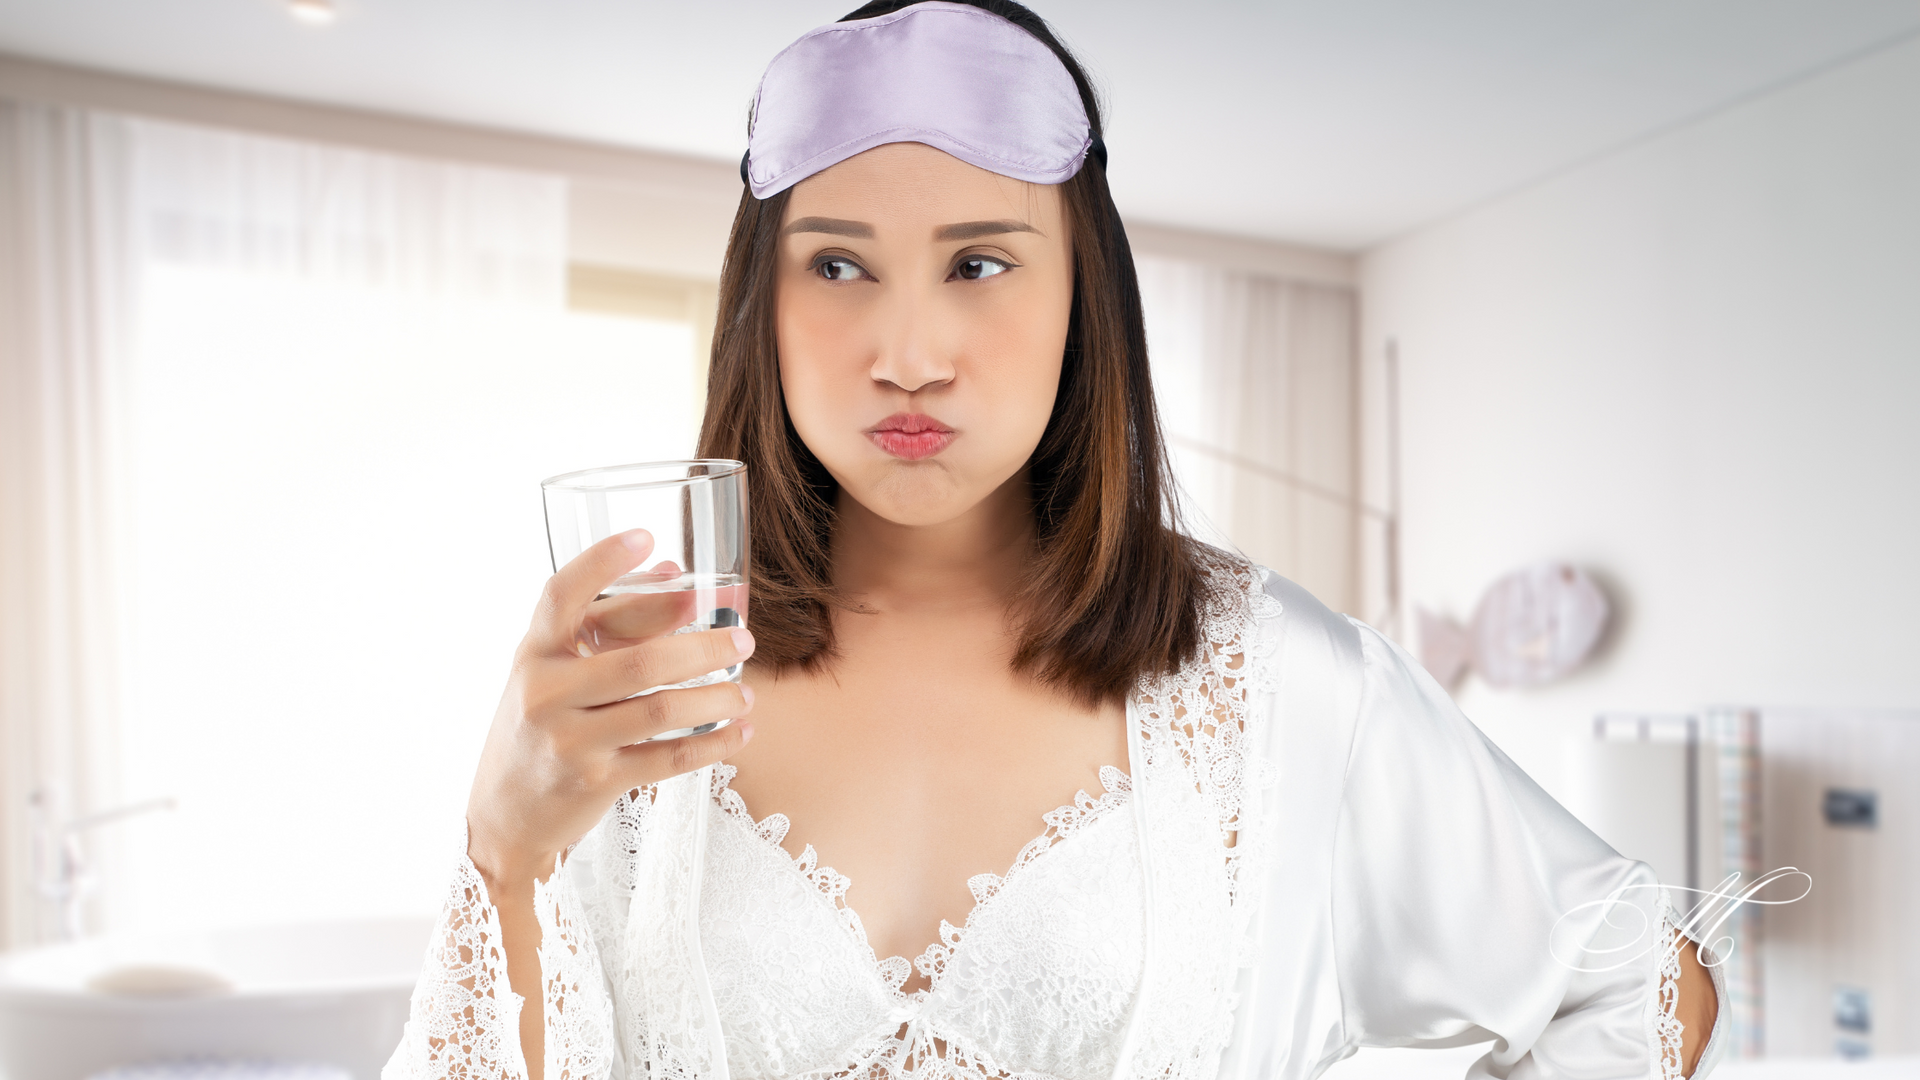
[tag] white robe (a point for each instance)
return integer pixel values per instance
(1310, 850)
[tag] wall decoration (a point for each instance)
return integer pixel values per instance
(1533, 626)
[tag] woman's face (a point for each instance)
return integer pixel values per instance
(921, 312)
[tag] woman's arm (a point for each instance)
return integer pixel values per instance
(512, 897)
(1466, 898)
(462, 1021)
(569, 739)
(1698, 1009)
(470, 1018)
(551, 948)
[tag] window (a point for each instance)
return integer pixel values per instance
(341, 417)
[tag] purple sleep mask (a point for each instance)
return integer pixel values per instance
(951, 76)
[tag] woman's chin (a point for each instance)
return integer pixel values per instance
(918, 496)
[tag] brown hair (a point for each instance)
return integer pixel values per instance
(1113, 590)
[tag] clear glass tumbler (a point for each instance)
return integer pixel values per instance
(697, 513)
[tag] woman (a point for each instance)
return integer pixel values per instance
(1098, 801)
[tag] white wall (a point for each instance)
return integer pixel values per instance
(1694, 367)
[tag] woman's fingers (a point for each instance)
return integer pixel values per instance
(636, 720)
(564, 601)
(650, 763)
(663, 661)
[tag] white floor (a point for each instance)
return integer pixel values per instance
(1452, 1065)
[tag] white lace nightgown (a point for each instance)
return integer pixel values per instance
(1308, 851)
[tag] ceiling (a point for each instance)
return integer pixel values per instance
(1338, 123)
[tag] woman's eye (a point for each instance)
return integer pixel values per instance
(839, 270)
(975, 267)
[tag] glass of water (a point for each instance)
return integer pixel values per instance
(697, 513)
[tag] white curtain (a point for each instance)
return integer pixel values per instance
(338, 353)
(241, 380)
(1255, 379)
(65, 292)
(321, 214)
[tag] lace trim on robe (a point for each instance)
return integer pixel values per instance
(1664, 1029)
(578, 1012)
(465, 1017)
(1198, 719)
(1198, 727)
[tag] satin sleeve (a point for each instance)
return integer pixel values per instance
(1416, 888)
(1467, 904)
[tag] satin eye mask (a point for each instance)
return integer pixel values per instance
(951, 76)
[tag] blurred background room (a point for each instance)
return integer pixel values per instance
(1593, 328)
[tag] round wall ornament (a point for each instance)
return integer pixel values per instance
(1532, 626)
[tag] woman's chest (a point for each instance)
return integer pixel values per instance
(913, 778)
(1105, 946)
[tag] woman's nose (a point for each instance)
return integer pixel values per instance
(913, 354)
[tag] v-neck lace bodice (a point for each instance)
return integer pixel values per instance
(895, 971)
(1050, 949)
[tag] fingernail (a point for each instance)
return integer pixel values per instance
(637, 540)
(746, 733)
(747, 692)
(742, 641)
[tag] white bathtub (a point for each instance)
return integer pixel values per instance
(333, 993)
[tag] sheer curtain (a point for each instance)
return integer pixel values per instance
(331, 216)
(337, 380)
(65, 291)
(1256, 386)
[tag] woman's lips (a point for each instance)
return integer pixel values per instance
(911, 436)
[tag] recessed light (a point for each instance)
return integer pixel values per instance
(313, 12)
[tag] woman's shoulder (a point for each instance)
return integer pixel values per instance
(1243, 595)
(1265, 633)
(1230, 583)
(1238, 617)
(1248, 609)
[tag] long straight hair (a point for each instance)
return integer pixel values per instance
(1113, 590)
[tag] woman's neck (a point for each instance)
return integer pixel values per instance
(975, 559)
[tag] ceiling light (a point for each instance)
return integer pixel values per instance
(312, 12)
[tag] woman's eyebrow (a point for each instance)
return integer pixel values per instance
(974, 230)
(859, 230)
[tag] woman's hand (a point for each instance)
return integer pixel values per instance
(567, 740)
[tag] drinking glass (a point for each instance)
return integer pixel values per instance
(697, 513)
